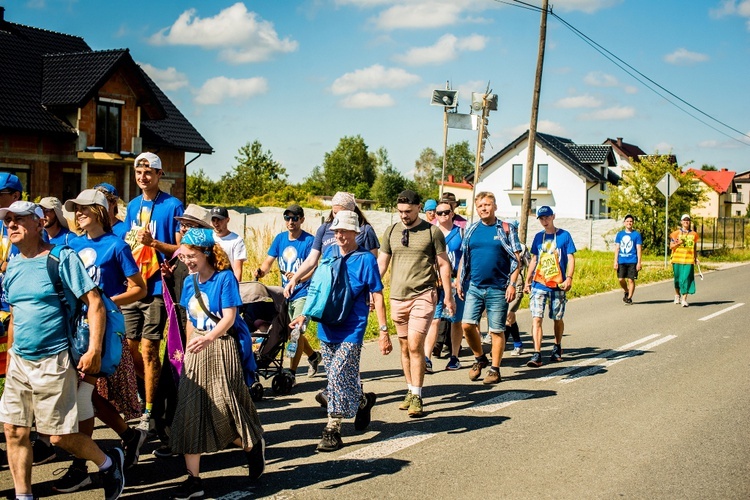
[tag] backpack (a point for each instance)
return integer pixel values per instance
(77, 327)
(330, 298)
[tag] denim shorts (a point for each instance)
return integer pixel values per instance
(440, 310)
(491, 299)
(538, 301)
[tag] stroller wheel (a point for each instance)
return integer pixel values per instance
(277, 384)
(256, 391)
(288, 383)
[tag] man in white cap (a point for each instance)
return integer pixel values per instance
(41, 383)
(55, 223)
(151, 223)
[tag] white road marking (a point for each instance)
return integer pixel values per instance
(604, 355)
(388, 447)
(710, 316)
(501, 401)
(610, 362)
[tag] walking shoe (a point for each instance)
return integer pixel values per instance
(112, 479)
(517, 351)
(133, 448)
(331, 440)
(492, 377)
(629, 302)
(477, 367)
(625, 297)
(677, 299)
(445, 351)
(453, 364)
(535, 361)
(684, 303)
(487, 339)
(406, 403)
(314, 362)
(76, 477)
(415, 407)
(556, 355)
(146, 423)
(427, 365)
(42, 452)
(256, 459)
(191, 488)
(164, 451)
(364, 413)
(322, 398)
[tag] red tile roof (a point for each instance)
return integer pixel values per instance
(718, 180)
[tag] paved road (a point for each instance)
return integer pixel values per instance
(650, 402)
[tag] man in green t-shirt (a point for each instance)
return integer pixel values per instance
(417, 250)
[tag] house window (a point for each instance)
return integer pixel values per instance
(541, 176)
(517, 176)
(602, 210)
(108, 117)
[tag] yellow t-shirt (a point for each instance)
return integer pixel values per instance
(685, 253)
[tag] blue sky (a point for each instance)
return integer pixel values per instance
(300, 75)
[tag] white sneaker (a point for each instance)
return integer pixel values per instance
(487, 339)
(676, 299)
(684, 303)
(146, 423)
(517, 351)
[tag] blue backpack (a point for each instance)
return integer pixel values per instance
(77, 327)
(330, 298)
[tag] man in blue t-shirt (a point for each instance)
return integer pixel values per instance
(55, 225)
(152, 228)
(628, 245)
(551, 272)
(41, 385)
(487, 281)
(290, 249)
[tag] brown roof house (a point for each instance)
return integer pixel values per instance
(72, 117)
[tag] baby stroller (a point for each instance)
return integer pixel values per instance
(264, 310)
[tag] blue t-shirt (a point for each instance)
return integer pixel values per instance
(290, 254)
(364, 277)
(560, 243)
(220, 291)
(325, 238)
(108, 261)
(63, 237)
(490, 262)
(453, 247)
(162, 224)
(38, 328)
(628, 241)
(120, 229)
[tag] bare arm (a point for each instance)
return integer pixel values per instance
(385, 340)
(91, 361)
(638, 252)
(303, 273)
(136, 291)
(569, 271)
(530, 274)
(444, 268)
(617, 252)
(237, 268)
(199, 342)
(384, 259)
(265, 266)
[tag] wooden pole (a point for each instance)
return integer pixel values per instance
(478, 161)
(445, 150)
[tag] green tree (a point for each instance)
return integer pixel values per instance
(638, 195)
(256, 173)
(428, 169)
(349, 168)
(708, 167)
(389, 183)
(201, 189)
(315, 183)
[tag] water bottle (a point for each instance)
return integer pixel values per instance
(291, 346)
(81, 338)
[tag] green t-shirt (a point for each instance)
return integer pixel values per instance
(413, 267)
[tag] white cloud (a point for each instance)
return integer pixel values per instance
(580, 101)
(587, 6)
(167, 79)
(215, 90)
(374, 77)
(732, 8)
(367, 100)
(613, 113)
(241, 36)
(630, 89)
(684, 57)
(446, 49)
(599, 79)
(663, 148)
(544, 126)
(421, 15)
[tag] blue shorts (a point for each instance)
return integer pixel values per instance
(491, 299)
(439, 311)
(538, 301)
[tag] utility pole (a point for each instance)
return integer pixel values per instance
(528, 174)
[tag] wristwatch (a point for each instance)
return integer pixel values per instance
(384, 328)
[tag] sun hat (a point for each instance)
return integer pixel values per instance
(87, 197)
(195, 214)
(52, 203)
(346, 219)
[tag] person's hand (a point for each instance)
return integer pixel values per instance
(166, 269)
(638, 266)
(90, 363)
(566, 285)
(145, 238)
(297, 322)
(289, 275)
(527, 288)
(459, 290)
(510, 293)
(198, 343)
(289, 288)
(449, 305)
(384, 342)
(615, 266)
(258, 274)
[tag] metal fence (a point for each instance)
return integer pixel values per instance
(722, 232)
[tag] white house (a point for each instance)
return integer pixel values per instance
(571, 178)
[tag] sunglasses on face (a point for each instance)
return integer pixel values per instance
(443, 212)
(293, 218)
(405, 237)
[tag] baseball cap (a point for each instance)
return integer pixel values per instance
(219, 213)
(52, 203)
(22, 207)
(430, 205)
(107, 188)
(294, 209)
(346, 219)
(195, 214)
(153, 160)
(87, 197)
(544, 211)
(409, 197)
(10, 181)
(685, 216)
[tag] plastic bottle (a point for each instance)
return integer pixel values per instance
(291, 346)
(81, 339)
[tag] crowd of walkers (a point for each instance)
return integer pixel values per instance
(175, 272)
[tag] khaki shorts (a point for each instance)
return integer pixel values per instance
(41, 391)
(414, 315)
(296, 307)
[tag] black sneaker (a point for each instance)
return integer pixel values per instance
(76, 477)
(164, 451)
(322, 399)
(331, 440)
(364, 413)
(256, 459)
(556, 355)
(113, 479)
(133, 447)
(535, 361)
(191, 488)
(43, 452)
(625, 298)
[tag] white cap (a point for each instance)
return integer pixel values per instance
(22, 207)
(87, 198)
(685, 216)
(153, 160)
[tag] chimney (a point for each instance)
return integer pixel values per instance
(619, 142)
(451, 178)
(2, 14)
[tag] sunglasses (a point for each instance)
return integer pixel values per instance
(405, 237)
(444, 212)
(293, 218)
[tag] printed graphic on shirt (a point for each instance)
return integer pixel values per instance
(626, 246)
(88, 256)
(202, 321)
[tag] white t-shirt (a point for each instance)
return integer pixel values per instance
(233, 246)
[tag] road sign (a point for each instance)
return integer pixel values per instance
(668, 185)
